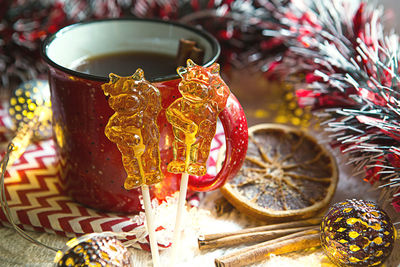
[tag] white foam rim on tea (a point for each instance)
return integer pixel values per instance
(86, 40)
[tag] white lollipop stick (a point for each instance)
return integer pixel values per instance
(178, 223)
(181, 201)
(149, 214)
(150, 225)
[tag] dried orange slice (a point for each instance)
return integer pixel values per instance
(286, 175)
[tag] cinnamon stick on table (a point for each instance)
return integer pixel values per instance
(289, 243)
(245, 238)
(278, 226)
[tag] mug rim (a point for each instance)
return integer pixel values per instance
(216, 48)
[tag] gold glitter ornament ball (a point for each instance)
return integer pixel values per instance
(357, 233)
(93, 250)
(25, 100)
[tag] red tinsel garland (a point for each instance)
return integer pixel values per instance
(351, 77)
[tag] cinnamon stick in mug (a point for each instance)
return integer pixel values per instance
(189, 49)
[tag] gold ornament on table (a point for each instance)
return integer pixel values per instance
(24, 102)
(30, 111)
(93, 250)
(357, 233)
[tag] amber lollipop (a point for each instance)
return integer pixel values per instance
(133, 127)
(194, 121)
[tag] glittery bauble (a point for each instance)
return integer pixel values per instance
(25, 99)
(94, 251)
(357, 233)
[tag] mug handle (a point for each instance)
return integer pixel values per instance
(234, 122)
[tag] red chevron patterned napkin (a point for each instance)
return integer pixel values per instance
(37, 202)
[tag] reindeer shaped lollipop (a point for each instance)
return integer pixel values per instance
(194, 117)
(133, 127)
(194, 121)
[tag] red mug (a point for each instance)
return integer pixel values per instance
(91, 167)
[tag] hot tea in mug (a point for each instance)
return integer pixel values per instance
(125, 64)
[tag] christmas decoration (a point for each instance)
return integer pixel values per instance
(93, 250)
(25, 23)
(345, 67)
(357, 233)
(25, 101)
